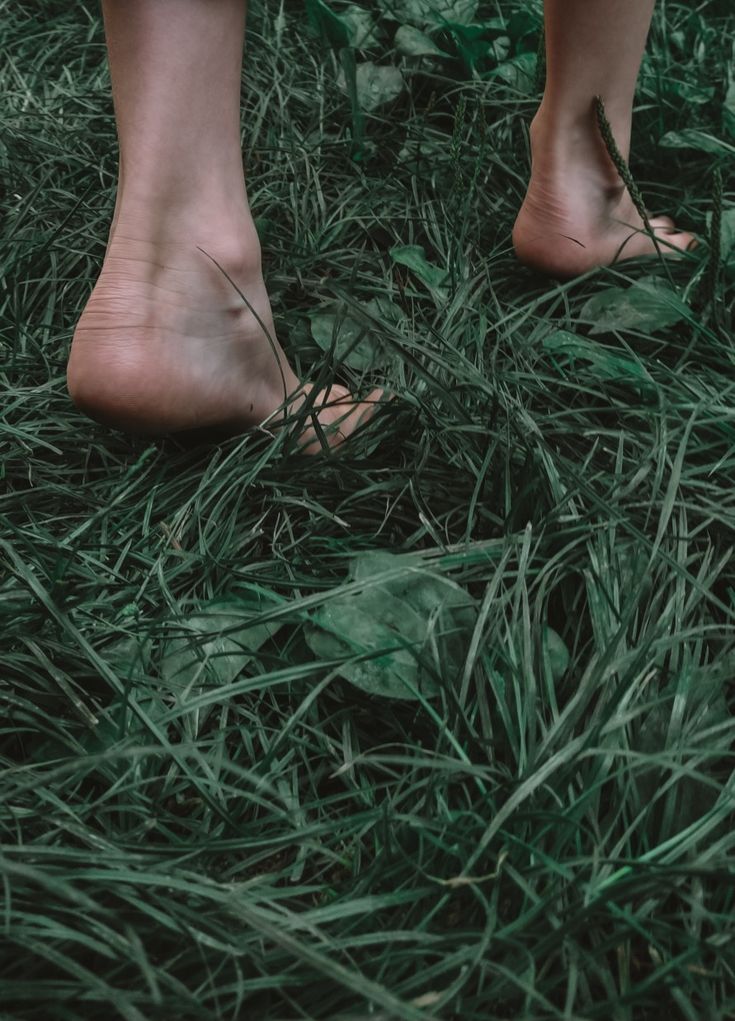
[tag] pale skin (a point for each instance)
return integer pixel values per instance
(166, 343)
(577, 214)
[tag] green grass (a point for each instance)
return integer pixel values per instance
(545, 831)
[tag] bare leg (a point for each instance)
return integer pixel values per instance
(165, 343)
(577, 214)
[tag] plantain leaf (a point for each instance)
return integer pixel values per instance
(555, 653)
(648, 306)
(361, 27)
(472, 42)
(356, 342)
(518, 72)
(221, 638)
(410, 623)
(377, 84)
(426, 13)
(460, 12)
(605, 364)
(414, 43)
(414, 258)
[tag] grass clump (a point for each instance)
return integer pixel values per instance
(200, 815)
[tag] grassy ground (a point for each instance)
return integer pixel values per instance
(212, 803)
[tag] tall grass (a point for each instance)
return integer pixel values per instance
(200, 816)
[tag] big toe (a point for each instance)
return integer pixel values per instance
(664, 224)
(665, 227)
(336, 414)
(676, 241)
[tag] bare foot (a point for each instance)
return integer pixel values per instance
(166, 344)
(577, 214)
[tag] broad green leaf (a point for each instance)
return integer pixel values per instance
(221, 638)
(518, 72)
(352, 341)
(426, 13)
(377, 84)
(459, 12)
(130, 657)
(500, 48)
(649, 305)
(693, 139)
(472, 42)
(356, 343)
(409, 12)
(361, 27)
(414, 258)
(555, 653)
(415, 43)
(396, 623)
(523, 28)
(606, 364)
(416, 156)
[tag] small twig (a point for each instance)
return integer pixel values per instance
(620, 164)
(624, 171)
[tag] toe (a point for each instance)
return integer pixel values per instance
(672, 239)
(664, 224)
(678, 241)
(669, 243)
(338, 415)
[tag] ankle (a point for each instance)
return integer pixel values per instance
(176, 211)
(186, 239)
(571, 144)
